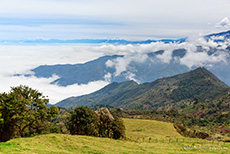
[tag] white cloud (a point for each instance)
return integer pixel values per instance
(197, 59)
(55, 93)
(194, 58)
(121, 64)
(110, 19)
(20, 59)
(166, 56)
(223, 23)
(108, 77)
(131, 76)
(135, 53)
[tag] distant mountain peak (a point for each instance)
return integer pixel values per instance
(224, 35)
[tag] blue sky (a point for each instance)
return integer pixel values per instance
(120, 19)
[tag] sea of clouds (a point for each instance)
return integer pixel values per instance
(20, 59)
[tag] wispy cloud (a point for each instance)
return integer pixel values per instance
(53, 21)
(110, 19)
(121, 64)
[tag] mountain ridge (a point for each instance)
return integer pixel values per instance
(105, 91)
(162, 94)
(88, 41)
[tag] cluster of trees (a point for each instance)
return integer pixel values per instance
(102, 123)
(24, 113)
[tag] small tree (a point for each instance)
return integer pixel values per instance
(110, 125)
(24, 112)
(82, 121)
(105, 123)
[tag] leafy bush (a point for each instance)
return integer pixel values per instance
(84, 121)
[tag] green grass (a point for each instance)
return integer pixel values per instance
(164, 139)
(150, 128)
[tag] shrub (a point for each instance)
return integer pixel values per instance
(84, 121)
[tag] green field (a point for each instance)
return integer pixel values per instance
(143, 136)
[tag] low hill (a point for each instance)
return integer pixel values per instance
(144, 136)
(168, 93)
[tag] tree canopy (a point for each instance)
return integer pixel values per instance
(83, 121)
(24, 113)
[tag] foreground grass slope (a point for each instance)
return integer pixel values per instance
(164, 139)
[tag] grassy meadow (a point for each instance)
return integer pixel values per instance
(143, 136)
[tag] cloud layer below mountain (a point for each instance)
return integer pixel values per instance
(21, 59)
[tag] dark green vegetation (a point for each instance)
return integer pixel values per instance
(84, 121)
(99, 106)
(60, 121)
(24, 113)
(218, 109)
(175, 92)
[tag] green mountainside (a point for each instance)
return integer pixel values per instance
(218, 109)
(168, 93)
(104, 93)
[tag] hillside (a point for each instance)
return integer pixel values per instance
(218, 110)
(163, 94)
(159, 137)
(106, 92)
